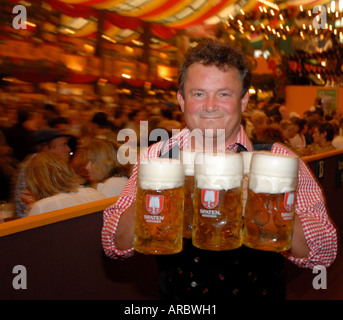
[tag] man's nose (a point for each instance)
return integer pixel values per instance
(88, 166)
(210, 104)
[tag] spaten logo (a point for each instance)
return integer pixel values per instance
(289, 201)
(209, 198)
(154, 204)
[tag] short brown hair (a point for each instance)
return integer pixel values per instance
(221, 55)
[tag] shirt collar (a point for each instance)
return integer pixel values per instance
(181, 139)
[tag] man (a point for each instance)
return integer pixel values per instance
(46, 140)
(323, 135)
(213, 93)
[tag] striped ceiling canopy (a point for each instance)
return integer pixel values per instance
(123, 18)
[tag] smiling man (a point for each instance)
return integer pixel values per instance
(213, 92)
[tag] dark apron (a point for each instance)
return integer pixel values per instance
(240, 273)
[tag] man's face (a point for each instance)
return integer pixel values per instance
(317, 136)
(59, 146)
(212, 100)
(93, 174)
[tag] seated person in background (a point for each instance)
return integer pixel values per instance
(259, 121)
(337, 141)
(298, 142)
(53, 185)
(45, 141)
(300, 127)
(105, 173)
(79, 161)
(322, 138)
(270, 134)
(8, 167)
(287, 130)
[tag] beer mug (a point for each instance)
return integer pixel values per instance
(217, 220)
(269, 211)
(187, 158)
(246, 155)
(159, 207)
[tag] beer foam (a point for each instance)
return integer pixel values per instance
(247, 155)
(160, 174)
(246, 161)
(223, 170)
(271, 173)
(187, 158)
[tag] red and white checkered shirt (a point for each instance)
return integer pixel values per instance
(320, 234)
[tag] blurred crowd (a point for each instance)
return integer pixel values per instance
(317, 130)
(58, 155)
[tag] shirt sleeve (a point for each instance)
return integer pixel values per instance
(320, 234)
(112, 214)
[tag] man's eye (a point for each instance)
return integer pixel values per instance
(224, 94)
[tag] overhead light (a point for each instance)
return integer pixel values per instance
(333, 6)
(270, 4)
(67, 30)
(30, 24)
(108, 38)
(137, 43)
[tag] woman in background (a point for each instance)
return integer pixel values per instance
(105, 173)
(53, 185)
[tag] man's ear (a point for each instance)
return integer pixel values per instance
(244, 101)
(181, 101)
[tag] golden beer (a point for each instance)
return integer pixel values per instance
(270, 207)
(268, 225)
(159, 233)
(218, 228)
(246, 156)
(217, 221)
(159, 207)
(188, 207)
(188, 156)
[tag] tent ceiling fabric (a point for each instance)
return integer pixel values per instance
(165, 16)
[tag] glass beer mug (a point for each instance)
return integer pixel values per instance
(159, 207)
(246, 156)
(187, 158)
(217, 221)
(269, 211)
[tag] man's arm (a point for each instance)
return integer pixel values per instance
(125, 231)
(299, 247)
(314, 239)
(119, 219)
